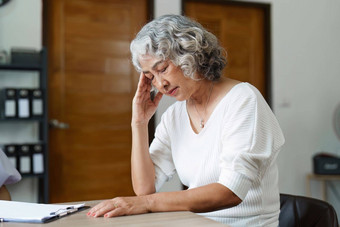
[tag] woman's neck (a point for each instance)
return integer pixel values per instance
(202, 93)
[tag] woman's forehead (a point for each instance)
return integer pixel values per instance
(148, 57)
(149, 62)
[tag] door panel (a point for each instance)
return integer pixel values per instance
(91, 86)
(241, 31)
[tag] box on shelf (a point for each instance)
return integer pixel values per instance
(25, 56)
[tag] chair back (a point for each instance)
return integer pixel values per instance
(303, 211)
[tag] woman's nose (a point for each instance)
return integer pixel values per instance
(161, 84)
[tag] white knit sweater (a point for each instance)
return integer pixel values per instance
(8, 174)
(237, 148)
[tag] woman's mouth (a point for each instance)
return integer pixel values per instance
(173, 91)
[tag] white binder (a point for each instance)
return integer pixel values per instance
(12, 211)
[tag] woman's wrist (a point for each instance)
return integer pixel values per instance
(148, 203)
(139, 123)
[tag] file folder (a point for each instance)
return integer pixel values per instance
(37, 158)
(11, 153)
(23, 103)
(37, 104)
(9, 103)
(25, 163)
(12, 211)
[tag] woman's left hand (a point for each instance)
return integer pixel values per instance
(120, 206)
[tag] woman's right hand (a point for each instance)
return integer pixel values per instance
(143, 107)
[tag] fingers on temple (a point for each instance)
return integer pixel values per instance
(144, 83)
(142, 80)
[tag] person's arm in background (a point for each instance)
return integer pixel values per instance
(4, 193)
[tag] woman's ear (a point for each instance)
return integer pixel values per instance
(4, 193)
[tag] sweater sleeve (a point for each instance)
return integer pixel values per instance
(8, 174)
(251, 138)
(160, 152)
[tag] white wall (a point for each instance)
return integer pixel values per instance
(306, 79)
(20, 26)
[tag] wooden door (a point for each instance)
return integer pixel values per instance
(242, 30)
(91, 86)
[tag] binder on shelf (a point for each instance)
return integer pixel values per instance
(12, 153)
(37, 158)
(25, 160)
(23, 103)
(9, 103)
(37, 104)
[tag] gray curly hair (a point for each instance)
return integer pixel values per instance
(185, 42)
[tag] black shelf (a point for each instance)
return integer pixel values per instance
(32, 119)
(21, 67)
(32, 175)
(40, 67)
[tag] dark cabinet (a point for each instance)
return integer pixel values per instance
(24, 106)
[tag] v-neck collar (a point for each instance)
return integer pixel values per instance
(207, 123)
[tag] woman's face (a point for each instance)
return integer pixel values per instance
(167, 78)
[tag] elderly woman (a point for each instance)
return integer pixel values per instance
(8, 175)
(220, 136)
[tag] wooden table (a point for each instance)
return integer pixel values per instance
(164, 219)
(323, 179)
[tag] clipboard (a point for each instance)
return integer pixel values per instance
(12, 211)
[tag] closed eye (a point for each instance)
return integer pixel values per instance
(163, 70)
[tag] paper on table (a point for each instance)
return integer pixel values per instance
(11, 211)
